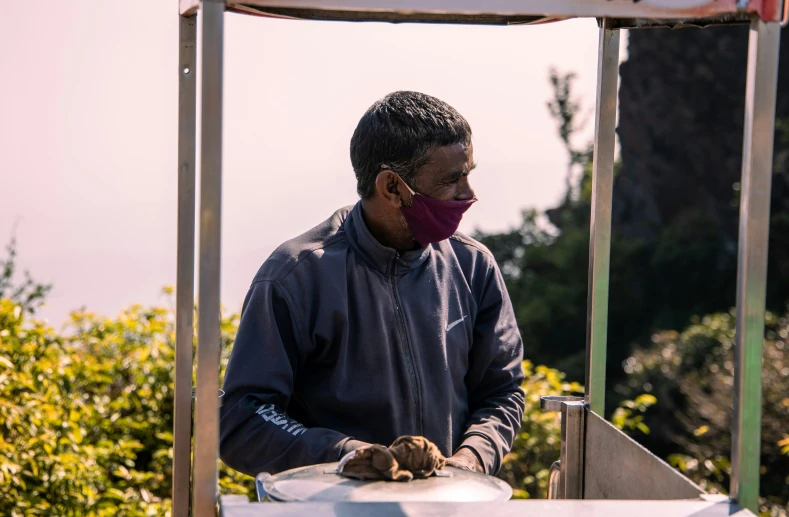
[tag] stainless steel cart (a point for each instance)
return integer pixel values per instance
(598, 463)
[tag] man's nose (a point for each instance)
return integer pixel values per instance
(465, 192)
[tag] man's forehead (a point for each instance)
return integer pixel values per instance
(451, 156)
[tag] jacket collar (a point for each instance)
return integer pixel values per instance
(385, 260)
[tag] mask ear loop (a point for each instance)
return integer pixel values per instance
(410, 190)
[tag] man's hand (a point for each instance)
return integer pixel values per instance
(466, 459)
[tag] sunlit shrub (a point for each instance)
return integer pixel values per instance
(86, 415)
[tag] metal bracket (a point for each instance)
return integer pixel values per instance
(554, 402)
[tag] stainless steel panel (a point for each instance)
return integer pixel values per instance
(600, 225)
(617, 467)
(185, 272)
(757, 167)
(204, 489)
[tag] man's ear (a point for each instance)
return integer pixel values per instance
(388, 185)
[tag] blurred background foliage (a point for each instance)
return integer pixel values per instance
(673, 276)
(86, 412)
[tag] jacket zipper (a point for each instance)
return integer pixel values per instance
(410, 361)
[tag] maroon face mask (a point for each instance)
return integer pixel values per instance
(433, 220)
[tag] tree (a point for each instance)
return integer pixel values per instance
(692, 375)
(28, 294)
(546, 267)
(661, 275)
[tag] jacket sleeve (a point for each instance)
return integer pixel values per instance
(256, 435)
(496, 401)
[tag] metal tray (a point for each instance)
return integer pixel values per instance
(320, 483)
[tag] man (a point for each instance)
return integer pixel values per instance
(382, 321)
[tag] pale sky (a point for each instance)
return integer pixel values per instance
(88, 132)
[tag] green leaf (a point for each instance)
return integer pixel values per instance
(114, 494)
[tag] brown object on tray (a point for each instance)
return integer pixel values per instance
(408, 457)
(375, 462)
(418, 455)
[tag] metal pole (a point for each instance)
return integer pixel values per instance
(757, 168)
(571, 463)
(600, 225)
(184, 296)
(204, 489)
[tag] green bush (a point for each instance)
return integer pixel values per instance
(87, 414)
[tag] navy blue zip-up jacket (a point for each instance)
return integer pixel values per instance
(341, 337)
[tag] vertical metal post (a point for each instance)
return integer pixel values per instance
(600, 226)
(571, 464)
(757, 168)
(204, 489)
(184, 296)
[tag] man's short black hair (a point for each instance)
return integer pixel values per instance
(398, 132)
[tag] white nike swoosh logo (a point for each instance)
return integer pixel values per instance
(452, 325)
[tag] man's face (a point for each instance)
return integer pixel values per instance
(445, 175)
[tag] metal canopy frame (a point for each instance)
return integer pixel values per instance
(196, 482)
